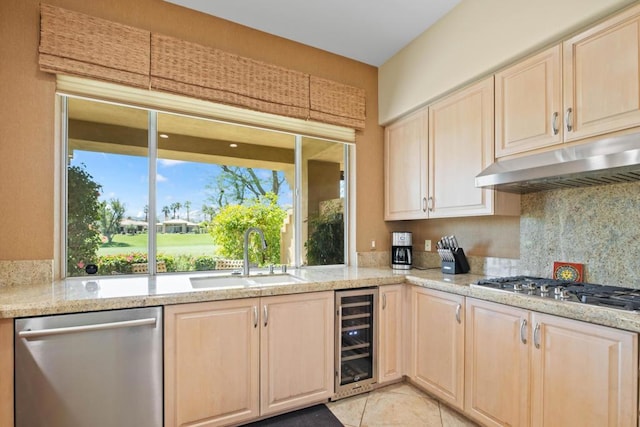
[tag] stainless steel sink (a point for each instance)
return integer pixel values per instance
(231, 282)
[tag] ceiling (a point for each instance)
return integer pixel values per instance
(369, 31)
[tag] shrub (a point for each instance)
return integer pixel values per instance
(204, 263)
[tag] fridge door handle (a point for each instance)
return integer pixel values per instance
(86, 328)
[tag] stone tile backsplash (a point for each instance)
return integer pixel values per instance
(25, 273)
(596, 226)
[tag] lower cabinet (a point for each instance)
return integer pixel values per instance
(6, 372)
(437, 344)
(390, 342)
(227, 362)
(526, 368)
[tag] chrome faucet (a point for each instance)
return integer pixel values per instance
(245, 248)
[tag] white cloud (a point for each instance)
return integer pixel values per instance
(160, 178)
(169, 162)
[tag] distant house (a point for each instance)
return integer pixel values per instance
(178, 226)
(132, 226)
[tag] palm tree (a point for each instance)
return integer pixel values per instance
(187, 205)
(166, 210)
(178, 206)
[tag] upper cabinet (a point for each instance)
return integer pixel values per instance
(433, 156)
(529, 104)
(460, 147)
(587, 86)
(601, 77)
(405, 168)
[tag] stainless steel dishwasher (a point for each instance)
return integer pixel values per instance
(99, 369)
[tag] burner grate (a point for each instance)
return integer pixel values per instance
(587, 293)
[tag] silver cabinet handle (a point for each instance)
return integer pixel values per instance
(424, 204)
(266, 315)
(568, 119)
(384, 301)
(536, 336)
(523, 328)
(87, 328)
(458, 308)
(255, 316)
(554, 123)
(430, 204)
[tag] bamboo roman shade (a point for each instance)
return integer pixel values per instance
(76, 44)
(206, 73)
(336, 103)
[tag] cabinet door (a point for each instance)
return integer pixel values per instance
(583, 374)
(405, 168)
(529, 104)
(497, 364)
(461, 145)
(601, 77)
(296, 350)
(437, 344)
(211, 363)
(390, 333)
(6, 372)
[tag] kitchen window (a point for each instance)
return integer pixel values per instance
(149, 191)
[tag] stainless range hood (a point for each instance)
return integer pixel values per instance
(605, 161)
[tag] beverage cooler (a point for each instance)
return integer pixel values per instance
(355, 341)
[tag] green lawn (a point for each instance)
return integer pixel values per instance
(168, 243)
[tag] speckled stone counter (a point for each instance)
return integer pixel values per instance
(92, 294)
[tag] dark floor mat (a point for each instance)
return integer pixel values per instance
(314, 416)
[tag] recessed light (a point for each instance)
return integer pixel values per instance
(163, 135)
(233, 145)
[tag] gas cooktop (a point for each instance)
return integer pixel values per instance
(587, 293)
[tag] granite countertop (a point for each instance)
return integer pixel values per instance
(105, 293)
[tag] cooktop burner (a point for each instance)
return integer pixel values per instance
(587, 293)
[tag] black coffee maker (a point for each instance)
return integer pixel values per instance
(401, 247)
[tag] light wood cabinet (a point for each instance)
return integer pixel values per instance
(211, 362)
(297, 350)
(6, 372)
(405, 168)
(588, 85)
(601, 71)
(497, 360)
(437, 344)
(390, 342)
(461, 145)
(529, 104)
(548, 371)
(227, 362)
(588, 368)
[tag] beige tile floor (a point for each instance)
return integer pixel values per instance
(396, 405)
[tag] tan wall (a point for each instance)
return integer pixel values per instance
(474, 39)
(27, 119)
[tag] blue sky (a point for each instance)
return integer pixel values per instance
(126, 178)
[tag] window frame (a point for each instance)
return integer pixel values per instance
(152, 114)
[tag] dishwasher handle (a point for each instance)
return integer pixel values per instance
(86, 328)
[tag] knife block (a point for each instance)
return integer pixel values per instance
(454, 261)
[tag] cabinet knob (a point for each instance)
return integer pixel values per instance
(536, 336)
(554, 123)
(458, 308)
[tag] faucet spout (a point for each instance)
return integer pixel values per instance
(245, 247)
